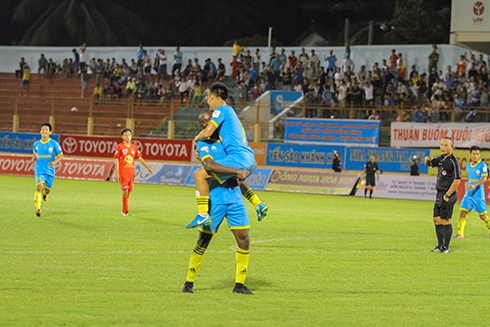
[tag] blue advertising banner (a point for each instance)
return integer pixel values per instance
(332, 131)
(282, 99)
(306, 156)
(174, 174)
(259, 178)
(20, 142)
(388, 159)
(190, 180)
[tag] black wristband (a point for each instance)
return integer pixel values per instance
(448, 196)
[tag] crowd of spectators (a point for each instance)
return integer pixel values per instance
(325, 81)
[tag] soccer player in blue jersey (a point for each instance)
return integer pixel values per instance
(222, 173)
(226, 201)
(46, 153)
(239, 155)
(474, 198)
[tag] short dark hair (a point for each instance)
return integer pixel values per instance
(449, 138)
(47, 124)
(124, 130)
(475, 148)
(220, 90)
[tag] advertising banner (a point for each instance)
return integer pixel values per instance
(312, 182)
(404, 188)
(283, 99)
(20, 142)
(429, 135)
(470, 16)
(257, 181)
(167, 174)
(152, 149)
(67, 168)
(305, 156)
(259, 178)
(260, 152)
(389, 160)
(332, 131)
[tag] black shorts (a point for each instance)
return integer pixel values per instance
(370, 181)
(442, 208)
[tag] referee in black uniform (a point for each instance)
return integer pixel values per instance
(336, 166)
(448, 178)
(371, 171)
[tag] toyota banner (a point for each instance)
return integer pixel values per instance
(152, 149)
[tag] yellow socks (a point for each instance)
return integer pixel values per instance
(252, 198)
(242, 257)
(461, 225)
(38, 196)
(195, 263)
(487, 222)
(202, 204)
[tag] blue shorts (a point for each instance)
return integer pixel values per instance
(43, 178)
(234, 161)
(236, 214)
(476, 204)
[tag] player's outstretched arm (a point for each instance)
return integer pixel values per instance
(56, 160)
(213, 167)
(116, 161)
(143, 162)
(205, 133)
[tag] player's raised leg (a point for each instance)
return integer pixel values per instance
(202, 198)
(253, 198)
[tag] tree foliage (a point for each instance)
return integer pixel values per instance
(419, 22)
(73, 22)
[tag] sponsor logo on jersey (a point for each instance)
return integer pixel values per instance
(128, 159)
(50, 149)
(125, 151)
(478, 172)
(205, 149)
(444, 173)
(216, 113)
(214, 148)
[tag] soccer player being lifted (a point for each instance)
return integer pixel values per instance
(239, 156)
(226, 201)
(474, 198)
(125, 154)
(210, 167)
(46, 153)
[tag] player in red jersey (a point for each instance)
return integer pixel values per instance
(125, 155)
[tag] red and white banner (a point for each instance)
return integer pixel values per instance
(152, 149)
(429, 135)
(67, 168)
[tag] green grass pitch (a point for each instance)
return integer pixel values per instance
(315, 261)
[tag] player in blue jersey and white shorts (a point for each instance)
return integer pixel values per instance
(46, 154)
(474, 198)
(239, 155)
(226, 202)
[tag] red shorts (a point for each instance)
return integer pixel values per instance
(126, 183)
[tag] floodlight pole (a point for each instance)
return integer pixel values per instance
(269, 41)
